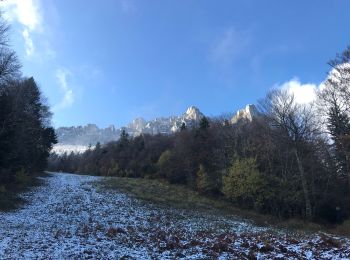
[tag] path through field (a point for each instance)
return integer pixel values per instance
(70, 218)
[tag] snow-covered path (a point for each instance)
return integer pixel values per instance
(69, 218)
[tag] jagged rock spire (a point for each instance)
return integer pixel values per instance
(248, 113)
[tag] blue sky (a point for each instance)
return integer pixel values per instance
(109, 61)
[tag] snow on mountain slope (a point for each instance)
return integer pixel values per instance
(69, 148)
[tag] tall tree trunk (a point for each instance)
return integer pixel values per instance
(347, 159)
(308, 209)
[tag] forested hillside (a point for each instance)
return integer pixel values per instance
(26, 136)
(291, 161)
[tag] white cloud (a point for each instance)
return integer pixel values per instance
(303, 93)
(27, 14)
(307, 93)
(28, 43)
(68, 97)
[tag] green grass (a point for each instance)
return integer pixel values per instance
(9, 199)
(344, 229)
(180, 196)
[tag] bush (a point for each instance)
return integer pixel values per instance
(113, 171)
(22, 177)
(204, 183)
(163, 163)
(244, 183)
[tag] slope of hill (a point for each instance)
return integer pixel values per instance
(70, 218)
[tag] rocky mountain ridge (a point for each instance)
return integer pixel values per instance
(248, 113)
(78, 139)
(165, 125)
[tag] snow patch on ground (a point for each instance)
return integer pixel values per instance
(69, 218)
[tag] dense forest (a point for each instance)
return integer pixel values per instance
(291, 161)
(26, 136)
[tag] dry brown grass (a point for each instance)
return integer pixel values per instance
(343, 229)
(9, 199)
(180, 196)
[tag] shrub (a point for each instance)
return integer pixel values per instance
(244, 183)
(113, 171)
(22, 177)
(204, 183)
(163, 163)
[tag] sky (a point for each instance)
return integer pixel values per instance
(110, 61)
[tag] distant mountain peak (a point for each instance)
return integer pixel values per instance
(137, 124)
(193, 113)
(248, 113)
(79, 138)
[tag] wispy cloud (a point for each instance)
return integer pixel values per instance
(91, 72)
(62, 76)
(228, 46)
(29, 46)
(27, 14)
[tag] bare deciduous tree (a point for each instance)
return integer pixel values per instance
(294, 127)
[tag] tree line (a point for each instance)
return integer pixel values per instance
(26, 136)
(292, 160)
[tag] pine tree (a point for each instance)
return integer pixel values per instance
(183, 126)
(204, 182)
(124, 136)
(204, 123)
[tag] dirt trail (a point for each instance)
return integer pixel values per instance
(68, 218)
